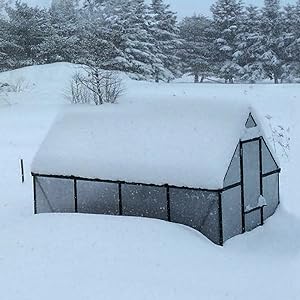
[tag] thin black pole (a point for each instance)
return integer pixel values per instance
(34, 196)
(261, 180)
(22, 170)
(260, 168)
(278, 187)
(75, 196)
(262, 215)
(168, 203)
(221, 238)
(120, 200)
(242, 187)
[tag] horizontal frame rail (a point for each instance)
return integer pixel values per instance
(253, 209)
(277, 171)
(124, 182)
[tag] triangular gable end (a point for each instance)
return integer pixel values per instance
(269, 164)
(250, 122)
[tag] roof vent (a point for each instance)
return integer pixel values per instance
(250, 122)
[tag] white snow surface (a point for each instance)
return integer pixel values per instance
(177, 141)
(89, 257)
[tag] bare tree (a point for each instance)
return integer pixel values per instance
(95, 85)
(280, 138)
(78, 93)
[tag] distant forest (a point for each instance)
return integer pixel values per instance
(239, 43)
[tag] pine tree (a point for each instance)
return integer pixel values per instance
(249, 41)
(291, 36)
(296, 38)
(101, 36)
(165, 31)
(227, 20)
(272, 55)
(137, 44)
(195, 52)
(25, 28)
(62, 42)
(10, 52)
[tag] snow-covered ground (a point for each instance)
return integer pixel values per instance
(91, 257)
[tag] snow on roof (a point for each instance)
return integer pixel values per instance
(182, 143)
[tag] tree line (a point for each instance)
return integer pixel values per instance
(239, 43)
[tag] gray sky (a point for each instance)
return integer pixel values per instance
(183, 7)
(189, 7)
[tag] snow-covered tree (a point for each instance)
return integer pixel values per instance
(25, 28)
(272, 45)
(62, 42)
(291, 36)
(10, 52)
(131, 19)
(101, 37)
(249, 44)
(195, 52)
(227, 21)
(164, 29)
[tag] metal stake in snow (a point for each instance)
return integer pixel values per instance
(22, 170)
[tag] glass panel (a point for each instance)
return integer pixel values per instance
(268, 162)
(271, 194)
(234, 173)
(97, 197)
(232, 212)
(54, 195)
(197, 209)
(144, 201)
(250, 122)
(251, 167)
(252, 220)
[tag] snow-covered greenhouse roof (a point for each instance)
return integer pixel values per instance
(186, 144)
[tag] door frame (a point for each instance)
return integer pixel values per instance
(259, 208)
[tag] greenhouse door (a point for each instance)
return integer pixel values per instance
(251, 184)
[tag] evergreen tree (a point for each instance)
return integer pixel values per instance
(101, 36)
(291, 38)
(227, 21)
(10, 52)
(25, 28)
(195, 53)
(272, 45)
(137, 43)
(62, 42)
(249, 43)
(165, 31)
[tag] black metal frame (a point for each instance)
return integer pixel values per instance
(221, 237)
(167, 187)
(75, 196)
(251, 116)
(261, 175)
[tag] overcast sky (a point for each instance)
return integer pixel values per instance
(184, 7)
(189, 7)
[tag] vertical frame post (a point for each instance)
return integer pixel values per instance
(22, 170)
(242, 187)
(221, 237)
(168, 203)
(120, 199)
(278, 187)
(34, 195)
(75, 196)
(261, 180)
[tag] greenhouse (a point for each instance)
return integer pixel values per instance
(209, 167)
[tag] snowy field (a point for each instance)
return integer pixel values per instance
(101, 257)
